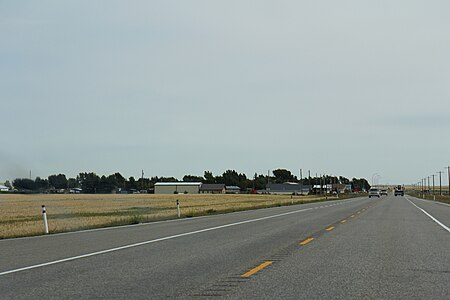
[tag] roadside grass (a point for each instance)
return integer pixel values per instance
(429, 196)
(21, 215)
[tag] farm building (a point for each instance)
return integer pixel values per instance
(232, 189)
(287, 188)
(177, 187)
(212, 188)
(3, 188)
(342, 188)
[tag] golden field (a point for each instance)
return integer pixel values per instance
(21, 215)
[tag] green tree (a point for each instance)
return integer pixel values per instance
(58, 181)
(260, 182)
(121, 181)
(107, 184)
(283, 175)
(209, 178)
(8, 184)
(41, 184)
(89, 182)
(72, 183)
(344, 180)
(231, 177)
(24, 184)
(131, 184)
(360, 184)
(193, 178)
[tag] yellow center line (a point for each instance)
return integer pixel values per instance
(257, 269)
(343, 221)
(308, 240)
(330, 228)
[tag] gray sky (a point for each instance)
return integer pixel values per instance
(348, 88)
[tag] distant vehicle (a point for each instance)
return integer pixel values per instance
(384, 192)
(399, 191)
(374, 193)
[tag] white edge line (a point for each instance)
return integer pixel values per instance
(155, 240)
(159, 222)
(149, 242)
(430, 216)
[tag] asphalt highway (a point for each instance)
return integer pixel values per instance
(387, 248)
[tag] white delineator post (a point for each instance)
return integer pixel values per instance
(44, 215)
(178, 208)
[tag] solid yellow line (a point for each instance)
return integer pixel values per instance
(308, 240)
(330, 228)
(257, 269)
(343, 221)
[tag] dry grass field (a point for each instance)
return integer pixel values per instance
(21, 215)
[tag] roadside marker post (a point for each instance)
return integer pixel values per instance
(44, 215)
(178, 208)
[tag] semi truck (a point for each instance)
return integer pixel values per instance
(399, 191)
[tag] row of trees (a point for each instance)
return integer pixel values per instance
(93, 183)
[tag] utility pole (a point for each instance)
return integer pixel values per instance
(440, 183)
(142, 180)
(320, 182)
(429, 184)
(301, 182)
(433, 182)
(448, 169)
(424, 185)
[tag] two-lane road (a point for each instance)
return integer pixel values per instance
(370, 248)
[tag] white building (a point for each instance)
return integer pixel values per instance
(3, 188)
(177, 187)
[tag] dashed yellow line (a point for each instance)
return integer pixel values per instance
(257, 269)
(330, 228)
(352, 216)
(343, 221)
(308, 240)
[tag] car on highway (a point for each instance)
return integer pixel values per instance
(374, 193)
(383, 192)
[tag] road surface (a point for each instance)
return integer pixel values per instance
(387, 248)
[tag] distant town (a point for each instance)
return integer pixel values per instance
(279, 181)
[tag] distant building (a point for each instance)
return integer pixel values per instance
(288, 188)
(342, 188)
(3, 188)
(177, 187)
(232, 189)
(75, 191)
(212, 188)
(325, 188)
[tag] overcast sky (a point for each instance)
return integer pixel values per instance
(352, 88)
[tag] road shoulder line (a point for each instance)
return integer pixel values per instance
(150, 241)
(430, 216)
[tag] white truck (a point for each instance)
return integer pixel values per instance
(399, 191)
